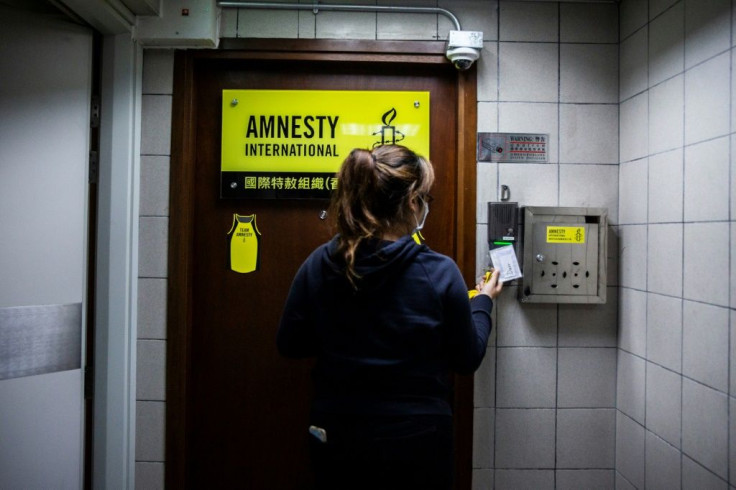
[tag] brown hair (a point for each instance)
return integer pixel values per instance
(374, 194)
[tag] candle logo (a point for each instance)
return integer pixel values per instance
(389, 134)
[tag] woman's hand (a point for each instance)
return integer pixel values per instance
(492, 287)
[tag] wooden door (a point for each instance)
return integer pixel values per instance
(237, 411)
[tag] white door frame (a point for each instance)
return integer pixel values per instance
(116, 288)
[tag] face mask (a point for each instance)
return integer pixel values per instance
(420, 224)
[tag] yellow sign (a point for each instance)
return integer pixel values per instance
(290, 143)
(565, 234)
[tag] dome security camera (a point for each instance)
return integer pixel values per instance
(463, 48)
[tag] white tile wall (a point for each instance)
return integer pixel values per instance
(158, 72)
(538, 479)
(487, 178)
(706, 189)
(157, 86)
(474, 15)
(525, 438)
(663, 404)
(666, 45)
(664, 331)
(630, 451)
(656, 7)
(149, 438)
(346, 25)
(487, 67)
(530, 184)
(664, 259)
(406, 26)
(688, 327)
(588, 133)
(228, 23)
(634, 72)
(589, 73)
(706, 115)
(705, 349)
(152, 308)
(633, 256)
(151, 372)
(154, 196)
(732, 436)
(268, 23)
(621, 482)
(590, 186)
(575, 479)
(307, 25)
(695, 476)
(666, 121)
(732, 161)
(632, 191)
(482, 479)
(526, 377)
(633, 16)
(632, 325)
(149, 476)
(579, 436)
(586, 378)
(665, 187)
(662, 464)
(485, 381)
(630, 392)
(732, 356)
(532, 118)
(706, 256)
(589, 23)
(705, 426)
(483, 434)
(707, 29)
(156, 125)
(528, 72)
(633, 128)
(589, 325)
(153, 247)
(525, 324)
(537, 22)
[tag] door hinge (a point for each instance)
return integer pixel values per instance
(94, 117)
(94, 166)
(89, 383)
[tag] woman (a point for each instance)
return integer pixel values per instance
(388, 320)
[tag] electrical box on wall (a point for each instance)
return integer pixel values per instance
(181, 23)
(565, 255)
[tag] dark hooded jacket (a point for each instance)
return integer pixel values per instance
(388, 347)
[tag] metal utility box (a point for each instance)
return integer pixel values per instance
(565, 255)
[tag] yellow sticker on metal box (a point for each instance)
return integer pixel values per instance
(565, 234)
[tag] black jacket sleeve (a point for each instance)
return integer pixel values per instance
(469, 328)
(297, 336)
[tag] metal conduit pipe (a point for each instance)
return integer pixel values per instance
(316, 7)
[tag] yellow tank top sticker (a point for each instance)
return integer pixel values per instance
(244, 242)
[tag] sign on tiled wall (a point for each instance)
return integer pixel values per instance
(512, 147)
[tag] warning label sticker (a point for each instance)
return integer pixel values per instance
(513, 147)
(566, 234)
